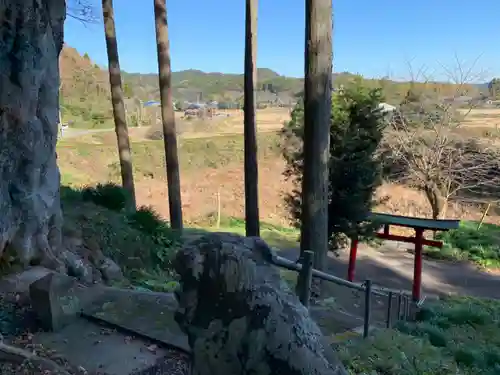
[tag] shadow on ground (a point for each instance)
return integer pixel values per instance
(392, 266)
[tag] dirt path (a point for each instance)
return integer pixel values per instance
(391, 266)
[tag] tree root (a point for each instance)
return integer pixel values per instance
(19, 356)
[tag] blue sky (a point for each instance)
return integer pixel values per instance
(372, 37)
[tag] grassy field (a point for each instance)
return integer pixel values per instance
(211, 166)
(275, 235)
(451, 336)
(470, 242)
(212, 174)
(481, 123)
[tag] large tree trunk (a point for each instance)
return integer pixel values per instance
(168, 115)
(317, 110)
(250, 128)
(30, 207)
(115, 81)
(30, 219)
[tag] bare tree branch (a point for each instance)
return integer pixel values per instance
(431, 154)
(83, 11)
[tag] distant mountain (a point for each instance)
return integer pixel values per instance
(193, 84)
(85, 87)
(85, 95)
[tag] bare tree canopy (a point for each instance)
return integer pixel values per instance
(427, 149)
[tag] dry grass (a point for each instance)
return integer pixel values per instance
(211, 160)
(402, 200)
(214, 165)
(481, 117)
(268, 120)
(208, 166)
(481, 112)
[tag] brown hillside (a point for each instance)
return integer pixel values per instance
(85, 96)
(81, 72)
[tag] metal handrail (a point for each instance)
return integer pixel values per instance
(403, 298)
(293, 266)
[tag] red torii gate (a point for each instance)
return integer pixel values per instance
(419, 225)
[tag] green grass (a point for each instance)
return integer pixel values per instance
(468, 243)
(452, 336)
(275, 235)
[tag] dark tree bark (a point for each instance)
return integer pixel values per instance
(168, 115)
(317, 110)
(436, 200)
(115, 81)
(31, 220)
(250, 128)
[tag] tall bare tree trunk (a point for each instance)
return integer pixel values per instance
(250, 128)
(168, 115)
(115, 81)
(317, 110)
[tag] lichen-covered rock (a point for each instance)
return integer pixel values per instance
(31, 38)
(240, 317)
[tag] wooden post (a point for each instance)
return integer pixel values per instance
(484, 216)
(168, 115)
(352, 259)
(417, 270)
(405, 307)
(389, 310)
(218, 208)
(400, 301)
(368, 308)
(250, 127)
(306, 272)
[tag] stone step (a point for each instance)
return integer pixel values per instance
(99, 349)
(145, 313)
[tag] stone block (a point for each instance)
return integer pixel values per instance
(18, 284)
(57, 300)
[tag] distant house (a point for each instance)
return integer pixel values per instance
(151, 103)
(386, 108)
(213, 104)
(201, 109)
(228, 105)
(155, 103)
(193, 106)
